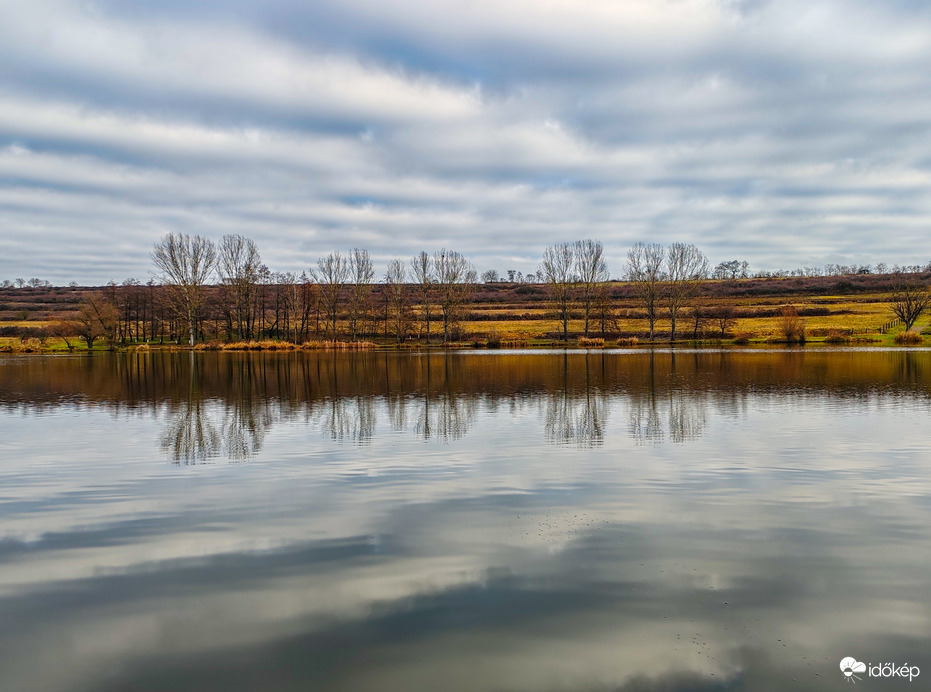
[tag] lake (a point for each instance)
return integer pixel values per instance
(635, 520)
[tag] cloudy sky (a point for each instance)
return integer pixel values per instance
(785, 133)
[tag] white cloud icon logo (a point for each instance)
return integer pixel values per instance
(849, 666)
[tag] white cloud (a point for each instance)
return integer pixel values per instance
(787, 134)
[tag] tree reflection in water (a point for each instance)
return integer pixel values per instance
(224, 404)
(577, 412)
(674, 410)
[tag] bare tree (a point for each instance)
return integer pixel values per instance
(332, 273)
(67, 331)
(186, 264)
(556, 269)
(686, 266)
(97, 318)
(909, 301)
(455, 276)
(361, 276)
(592, 271)
(290, 310)
(645, 272)
(239, 265)
(422, 268)
(723, 317)
(732, 270)
(699, 315)
(396, 291)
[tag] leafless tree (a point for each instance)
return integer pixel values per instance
(239, 267)
(361, 276)
(67, 331)
(290, 310)
(332, 273)
(645, 272)
(592, 271)
(686, 266)
(424, 279)
(699, 315)
(722, 316)
(455, 276)
(732, 270)
(396, 291)
(603, 313)
(556, 269)
(97, 318)
(186, 264)
(909, 301)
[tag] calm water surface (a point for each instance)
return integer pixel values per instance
(688, 521)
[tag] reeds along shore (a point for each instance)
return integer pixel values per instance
(280, 345)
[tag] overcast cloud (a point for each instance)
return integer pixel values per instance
(785, 133)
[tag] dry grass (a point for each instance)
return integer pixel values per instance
(266, 345)
(587, 342)
(836, 336)
(27, 323)
(856, 315)
(338, 345)
(909, 338)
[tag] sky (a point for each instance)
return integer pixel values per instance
(788, 134)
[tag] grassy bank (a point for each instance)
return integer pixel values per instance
(521, 316)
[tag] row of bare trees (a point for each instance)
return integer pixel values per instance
(575, 273)
(665, 277)
(662, 277)
(335, 297)
(223, 290)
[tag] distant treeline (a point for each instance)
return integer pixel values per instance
(223, 291)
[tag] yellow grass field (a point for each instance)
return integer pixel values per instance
(860, 317)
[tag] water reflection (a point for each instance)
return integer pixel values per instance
(224, 405)
(678, 522)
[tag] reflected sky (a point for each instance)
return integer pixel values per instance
(695, 520)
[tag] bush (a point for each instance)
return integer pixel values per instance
(494, 339)
(836, 336)
(337, 345)
(629, 341)
(266, 345)
(742, 337)
(586, 342)
(791, 325)
(209, 346)
(908, 338)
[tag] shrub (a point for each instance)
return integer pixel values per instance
(791, 325)
(742, 337)
(494, 339)
(266, 345)
(209, 346)
(629, 341)
(586, 342)
(337, 345)
(908, 338)
(836, 336)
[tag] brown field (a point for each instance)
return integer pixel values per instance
(520, 314)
